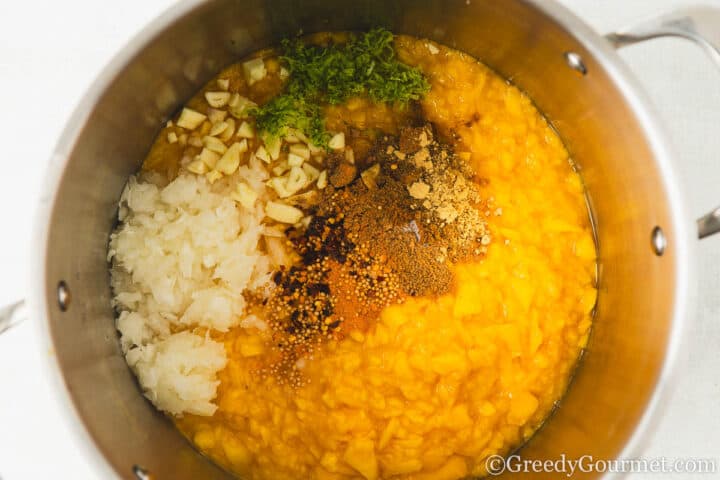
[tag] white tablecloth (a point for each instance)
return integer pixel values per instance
(50, 51)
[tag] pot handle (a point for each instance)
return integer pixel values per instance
(11, 315)
(701, 25)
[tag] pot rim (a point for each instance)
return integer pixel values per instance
(682, 226)
(40, 301)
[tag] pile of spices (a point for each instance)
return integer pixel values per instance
(386, 227)
(335, 289)
(338, 288)
(441, 188)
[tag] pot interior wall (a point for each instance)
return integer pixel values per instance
(620, 369)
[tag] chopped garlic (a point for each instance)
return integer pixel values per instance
(273, 147)
(291, 137)
(229, 131)
(296, 179)
(433, 49)
(195, 141)
(218, 128)
(257, 167)
(311, 172)
(281, 167)
(283, 213)
(240, 105)
(278, 184)
(213, 176)
(254, 70)
(205, 128)
(322, 180)
(272, 231)
(197, 167)
(262, 154)
(350, 156)
(172, 137)
(337, 142)
(300, 150)
(215, 115)
(295, 160)
(314, 149)
(217, 99)
(368, 176)
(223, 83)
(230, 161)
(299, 135)
(214, 144)
(190, 119)
(208, 157)
(245, 195)
(182, 139)
(245, 130)
(284, 73)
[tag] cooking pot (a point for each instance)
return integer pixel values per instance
(645, 238)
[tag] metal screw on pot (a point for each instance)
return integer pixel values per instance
(63, 296)
(575, 62)
(141, 473)
(658, 241)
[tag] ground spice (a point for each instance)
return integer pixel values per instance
(384, 218)
(427, 191)
(388, 226)
(337, 288)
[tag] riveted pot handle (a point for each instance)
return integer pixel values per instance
(701, 25)
(11, 315)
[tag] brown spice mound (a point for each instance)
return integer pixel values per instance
(374, 238)
(337, 284)
(384, 218)
(419, 205)
(338, 287)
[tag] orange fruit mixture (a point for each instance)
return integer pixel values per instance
(436, 385)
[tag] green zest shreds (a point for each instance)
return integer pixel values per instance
(285, 111)
(366, 65)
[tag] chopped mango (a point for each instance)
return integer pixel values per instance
(360, 455)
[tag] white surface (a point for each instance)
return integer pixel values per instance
(50, 51)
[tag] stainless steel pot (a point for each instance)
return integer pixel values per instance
(574, 75)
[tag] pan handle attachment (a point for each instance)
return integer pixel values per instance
(699, 24)
(11, 315)
(709, 224)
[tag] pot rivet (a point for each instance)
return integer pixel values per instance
(63, 296)
(575, 62)
(658, 241)
(141, 473)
